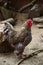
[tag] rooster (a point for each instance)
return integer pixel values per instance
(23, 37)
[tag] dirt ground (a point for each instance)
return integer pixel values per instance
(36, 43)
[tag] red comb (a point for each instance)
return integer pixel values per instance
(29, 22)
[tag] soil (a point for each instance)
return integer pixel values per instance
(36, 43)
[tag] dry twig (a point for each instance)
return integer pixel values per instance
(27, 5)
(30, 55)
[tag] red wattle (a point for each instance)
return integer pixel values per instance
(29, 22)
